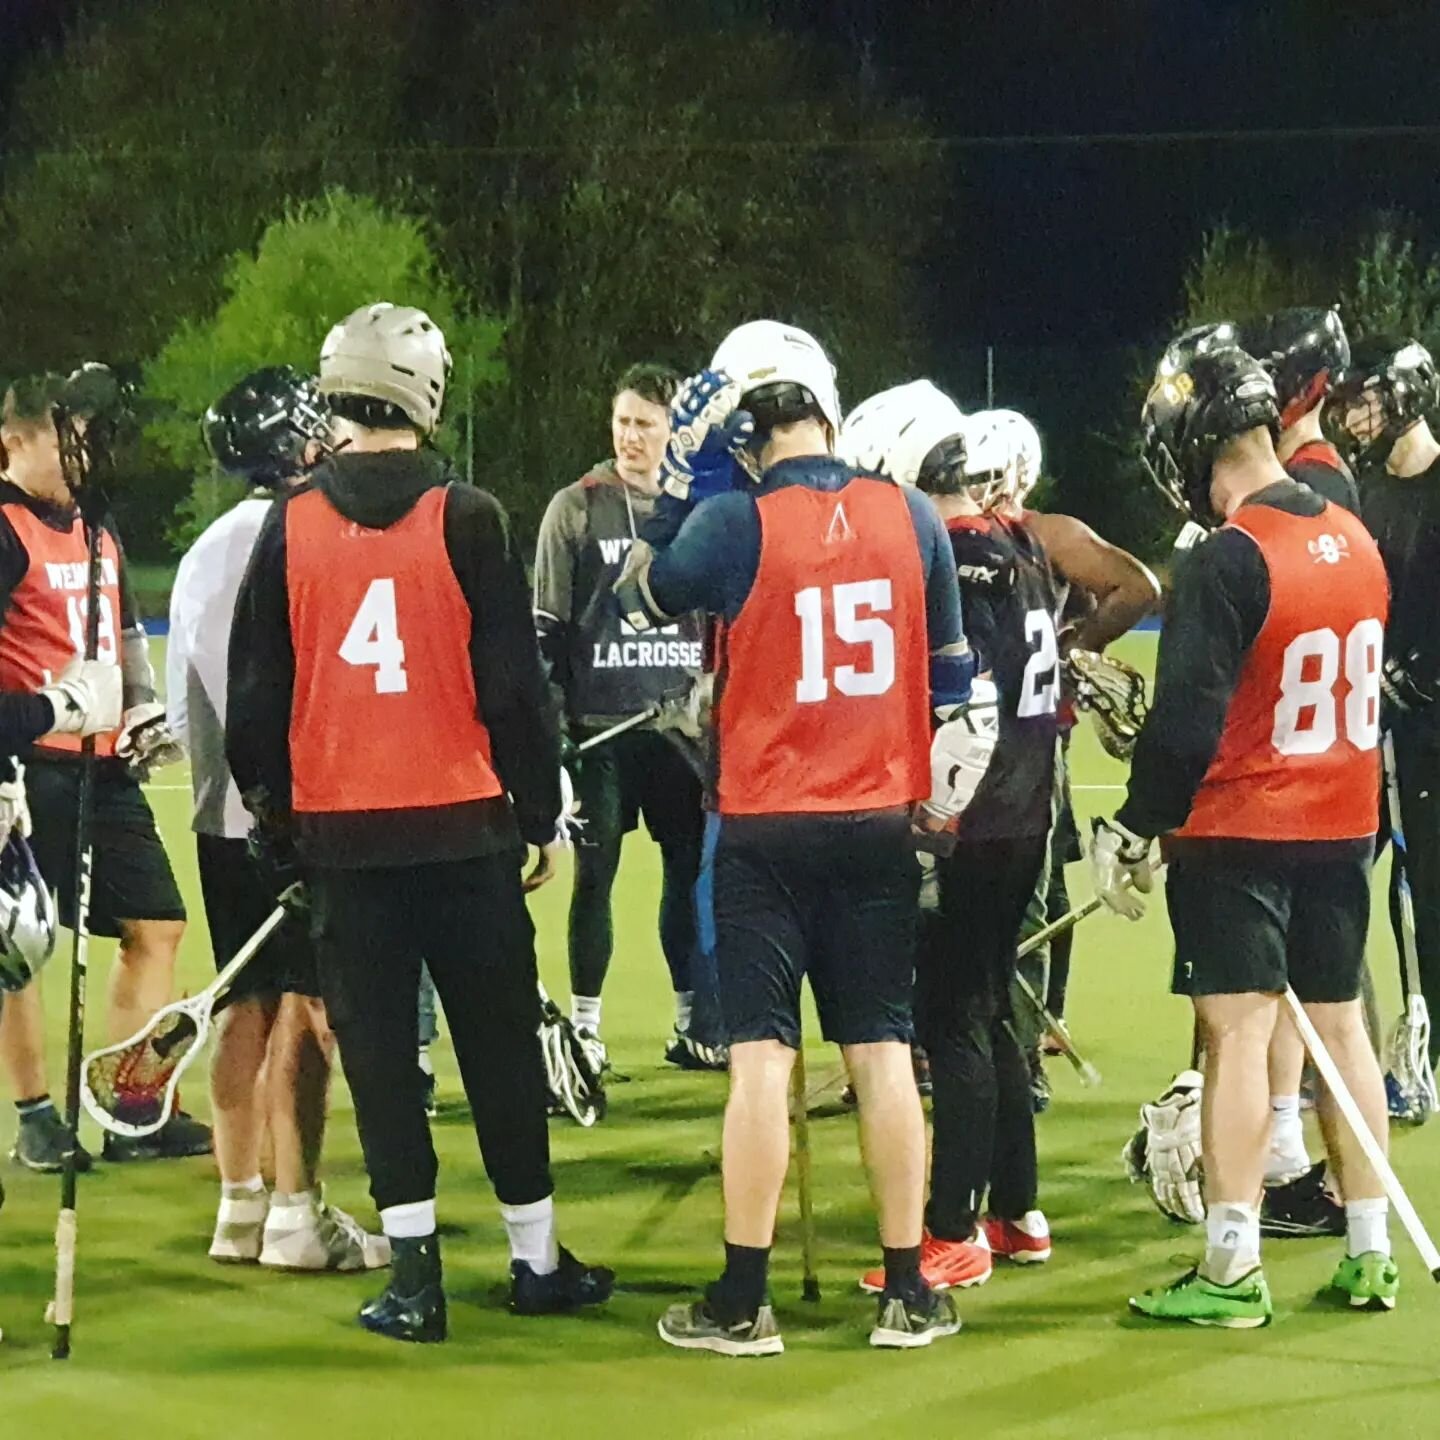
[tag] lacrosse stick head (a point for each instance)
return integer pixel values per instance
(1409, 1061)
(576, 1087)
(130, 1088)
(1113, 693)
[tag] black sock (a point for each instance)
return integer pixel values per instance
(27, 1108)
(740, 1291)
(902, 1268)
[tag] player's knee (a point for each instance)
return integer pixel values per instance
(880, 1069)
(143, 941)
(760, 1066)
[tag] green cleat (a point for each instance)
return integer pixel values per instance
(1245, 1305)
(1371, 1281)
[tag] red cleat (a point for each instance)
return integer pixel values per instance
(944, 1264)
(1026, 1241)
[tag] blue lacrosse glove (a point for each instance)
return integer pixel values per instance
(708, 429)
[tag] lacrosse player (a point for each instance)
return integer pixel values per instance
(976, 471)
(606, 673)
(43, 576)
(1377, 412)
(388, 717)
(1259, 764)
(273, 1057)
(840, 625)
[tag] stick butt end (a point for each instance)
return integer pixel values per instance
(811, 1290)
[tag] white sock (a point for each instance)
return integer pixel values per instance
(684, 1004)
(1365, 1226)
(413, 1221)
(1232, 1242)
(531, 1231)
(242, 1202)
(426, 1067)
(585, 1012)
(1287, 1153)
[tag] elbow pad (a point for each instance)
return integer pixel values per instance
(135, 667)
(952, 673)
(632, 591)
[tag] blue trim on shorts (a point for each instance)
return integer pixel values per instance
(705, 891)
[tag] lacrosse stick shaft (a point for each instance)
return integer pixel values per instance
(832, 1081)
(1088, 1074)
(1056, 928)
(66, 1228)
(1330, 1073)
(1409, 950)
(801, 1120)
(648, 713)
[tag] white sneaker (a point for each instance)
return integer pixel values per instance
(302, 1232)
(239, 1228)
(594, 1048)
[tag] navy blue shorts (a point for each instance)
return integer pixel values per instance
(831, 897)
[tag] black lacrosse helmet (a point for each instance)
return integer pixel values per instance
(1303, 349)
(1389, 386)
(1207, 391)
(260, 427)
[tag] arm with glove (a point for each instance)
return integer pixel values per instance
(145, 741)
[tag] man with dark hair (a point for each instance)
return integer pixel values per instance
(606, 673)
(44, 574)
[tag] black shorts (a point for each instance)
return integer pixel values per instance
(638, 773)
(132, 878)
(1254, 925)
(833, 897)
(237, 903)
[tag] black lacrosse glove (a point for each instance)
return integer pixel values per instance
(276, 856)
(1404, 691)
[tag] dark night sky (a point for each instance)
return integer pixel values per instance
(1062, 242)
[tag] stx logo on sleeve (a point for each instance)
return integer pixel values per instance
(1330, 549)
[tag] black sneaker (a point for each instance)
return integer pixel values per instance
(427, 1090)
(911, 1321)
(1302, 1208)
(179, 1138)
(695, 1326)
(42, 1140)
(688, 1054)
(570, 1286)
(412, 1306)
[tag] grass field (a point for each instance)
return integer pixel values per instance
(168, 1344)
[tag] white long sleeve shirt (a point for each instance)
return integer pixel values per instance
(202, 606)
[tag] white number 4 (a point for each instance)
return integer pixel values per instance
(374, 639)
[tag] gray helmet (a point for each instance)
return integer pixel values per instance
(392, 353)
(27, 915)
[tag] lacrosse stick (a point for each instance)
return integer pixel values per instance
(1114, 695)
(141, 1076)
(801, 1120)
(1330, 1073)
(648, 713)
(577, 1088)
(1409, 1048)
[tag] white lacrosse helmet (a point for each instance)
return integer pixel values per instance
(393, 353)
(1003, 455)
(761, 353)
(27, 916)
(892, 432)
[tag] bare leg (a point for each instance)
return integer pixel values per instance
(1287, 1155)
(236, 1087)
(297, 1086)
(143, 977)
(892, 1138)
(756, 1151)
(1236, 1110)
(1342, 1028)
(22, 1043)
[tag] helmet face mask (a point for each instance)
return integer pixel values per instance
(1004, 458)
(1388, 389)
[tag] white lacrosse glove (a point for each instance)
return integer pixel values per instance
(86, 698)
(960, 752)
(1120, 867)
(1166, 1151)
(146, 741)
(14, 808)
(568, 823)
(689, 714)
(708, 429)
